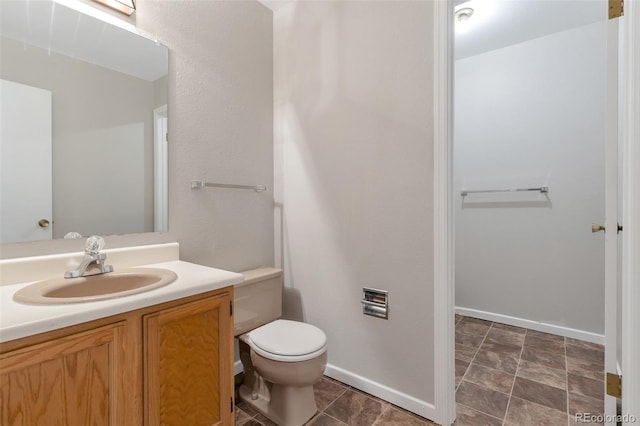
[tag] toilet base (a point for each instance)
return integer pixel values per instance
(283, 405)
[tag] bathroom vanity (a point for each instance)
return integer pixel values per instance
(160, 357)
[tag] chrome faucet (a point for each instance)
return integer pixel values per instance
(93, 261)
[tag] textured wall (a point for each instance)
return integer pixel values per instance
(528, 115)
(220, 129)
(220, 126)
(354, 181)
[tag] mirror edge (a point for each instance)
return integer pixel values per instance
(58, 246)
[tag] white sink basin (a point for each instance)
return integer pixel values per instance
(97, 287)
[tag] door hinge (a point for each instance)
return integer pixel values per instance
(614, 385)
(231, 404)
(230, 308)
(166, 137)
(616, 8)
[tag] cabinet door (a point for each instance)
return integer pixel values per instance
(74, 380)
(189, 362)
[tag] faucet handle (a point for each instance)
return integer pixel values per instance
(95, 243)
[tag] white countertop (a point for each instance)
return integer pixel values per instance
(20, 320)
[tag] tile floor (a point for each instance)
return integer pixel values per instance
(340, 405)
(508, 375)
(505, 375)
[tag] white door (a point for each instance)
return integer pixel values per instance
(612, 293)
(25, 163)
(612, 239)
(630, 253)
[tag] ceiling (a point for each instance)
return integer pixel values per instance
(495, 24)
(501, 23)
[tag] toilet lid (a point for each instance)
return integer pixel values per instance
(288, 338)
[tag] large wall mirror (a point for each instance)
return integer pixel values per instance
(83, 125)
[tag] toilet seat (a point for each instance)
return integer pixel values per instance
(288, 341)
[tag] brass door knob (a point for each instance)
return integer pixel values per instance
(43, 223)
(597, 228)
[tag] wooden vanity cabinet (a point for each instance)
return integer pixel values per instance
(73, 380)
(189, 373)
(168, 364)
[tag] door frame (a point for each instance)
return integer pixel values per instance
(444, 288)
(630, 208)
(160, 169)
(443, 262)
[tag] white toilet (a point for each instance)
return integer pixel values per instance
(282, 359)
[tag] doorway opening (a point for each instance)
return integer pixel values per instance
(528, 182)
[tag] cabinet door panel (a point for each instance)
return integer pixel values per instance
(188, 364)
(71, 381)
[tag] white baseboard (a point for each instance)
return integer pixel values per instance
(237, 368)
(408, 402)
(533, 325)
(379, 390)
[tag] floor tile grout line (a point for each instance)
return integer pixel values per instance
(469, 366)
(527, 332)
(492, 369)
(474, 355)
(577, 374)
(545, 407)
(538, 381)
(344, 388)
(334, 400)
(583, 374)
(515, 375)
(386, 404)
(388, 407)
(474, 409)
(543, 350)
(338, 420)
(479, 410)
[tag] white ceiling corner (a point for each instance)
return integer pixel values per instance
(274, 5)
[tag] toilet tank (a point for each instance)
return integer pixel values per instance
(258, 299)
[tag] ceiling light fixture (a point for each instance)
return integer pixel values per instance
(464, 14)
(123, 6)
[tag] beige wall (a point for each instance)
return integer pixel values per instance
(353, 156)
(220, 129)
(220, 126)
(354, 177)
